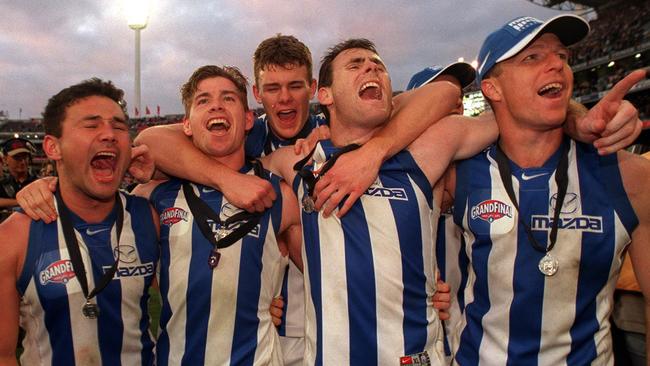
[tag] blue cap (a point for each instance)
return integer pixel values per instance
(518, 33)
(462, 71)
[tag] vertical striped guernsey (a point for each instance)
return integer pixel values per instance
(50, 309)
(370, 275)
(514, 314)
(216, 316)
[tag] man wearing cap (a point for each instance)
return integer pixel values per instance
(546, 219)
(17, 154)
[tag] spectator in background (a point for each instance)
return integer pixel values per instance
(17, 154)
(48, 170)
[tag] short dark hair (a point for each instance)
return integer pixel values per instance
(55, 110)
(212, 71)
(281, 50)
(325, 73)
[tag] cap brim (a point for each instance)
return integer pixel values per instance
(462, 71)
(18, 151)
(569, 28)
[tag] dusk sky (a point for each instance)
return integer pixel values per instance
(48, 45)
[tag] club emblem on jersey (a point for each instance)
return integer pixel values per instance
(60, 271)
(491, 210)
(172, 216)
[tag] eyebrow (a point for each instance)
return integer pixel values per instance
(97, 116)
(374, 59)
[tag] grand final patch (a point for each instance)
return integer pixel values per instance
(60, 271)
(172, 216)
(491, 210)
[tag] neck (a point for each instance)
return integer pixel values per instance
(234, 161)
(89, 209)
(343, 134)
(529, 148)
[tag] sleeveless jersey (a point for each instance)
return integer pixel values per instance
(371, 274)
(51, 297)
(216, 316)
(514, 313)
(450, 260)
(261, 141)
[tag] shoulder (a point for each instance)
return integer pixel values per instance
(635, 173)
(15, 233)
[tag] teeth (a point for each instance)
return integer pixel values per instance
(551, 86)
(107, 154)
(218, 121)
(370, 84)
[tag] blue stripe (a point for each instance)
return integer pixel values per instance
(55, 306)
(409, 229)
(597, 253)
(362, 306)
(199, 289)
(36, 230)
(282, 328)
(528, 281)
(472, 334)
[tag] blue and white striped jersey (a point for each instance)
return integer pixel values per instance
(261, 141)
(370, 274)
(216, 316)
(50, 308)
(514, 314)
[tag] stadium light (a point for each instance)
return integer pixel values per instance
(461, 59)
(611, 63)
(638, 55)
(137, 16)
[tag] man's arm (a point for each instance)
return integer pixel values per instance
(613, 123)
(635, 172)
(8, 202)
(290, 228)
(186, 161)
(14, 232)
(355, 171)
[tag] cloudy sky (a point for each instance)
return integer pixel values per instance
(47, 45)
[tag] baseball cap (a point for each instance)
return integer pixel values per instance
(16, 146)
(462, 71)
(515, 35)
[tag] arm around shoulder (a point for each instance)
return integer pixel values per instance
(15, 232)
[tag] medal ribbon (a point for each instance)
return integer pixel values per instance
(562, 181)
(309, 177)
(202, 212)
(73, 246)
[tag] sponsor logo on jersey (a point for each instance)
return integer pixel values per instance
(138, 270)
(589, 224)
(385, 192)
(172, 216)
(570, 205)
(491, 210)
(60, 271)
(127, 253)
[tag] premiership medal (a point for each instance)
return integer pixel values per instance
(90, 310)
(213, 259)
(222, 233)
(308, 204)
(548, 265)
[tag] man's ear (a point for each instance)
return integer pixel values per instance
(52, 147)
(187, 130)
(249, 119)
(491, 90)
(312, 88)
(256, 93)
(325, 96)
